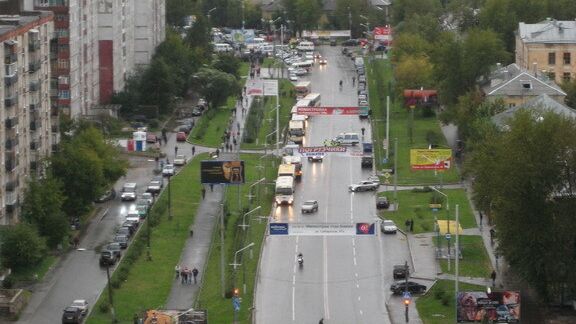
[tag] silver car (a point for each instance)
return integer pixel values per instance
(310, 206)
(363, 186)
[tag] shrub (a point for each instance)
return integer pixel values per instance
(432, 138)
(104, 308)
(446, 299)
(436, 198)
(438, 294)
(8, 282)
(21, 246)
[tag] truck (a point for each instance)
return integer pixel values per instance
(302, 89)
(284, 191)
(296, 131)
(297, 162)
(363, 112)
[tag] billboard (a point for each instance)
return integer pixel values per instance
(222, 172)
(383, 33)
(433, 159)
(321, 229)
(321, 149)
(319, 111)
(479, 306)
(242, 36)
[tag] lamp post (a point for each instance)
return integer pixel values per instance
(208, 14)
(169, 199)
(243, 225)
(447, 222)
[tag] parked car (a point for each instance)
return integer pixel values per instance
(181, 137)
(130, 225)
(400, 271)
(151, 138)
(350, 42)
(115, 248)
(363, 186)
(310, 206)
(108, 195)
(82, 304)
(293, 77)
(147, 197)
(382, 202)
(122, 240)
(186, 128)
(398, 288)
(180, 160)
(124, 231)
(155, 185)
(388, 227)
(128, 191)
(332, 41)
(108, 258)
(168, 170)
(72, 315)
(367, 162)
(196, 112)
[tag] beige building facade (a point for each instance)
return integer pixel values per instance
(548, 47)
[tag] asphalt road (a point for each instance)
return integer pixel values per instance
(344, 279)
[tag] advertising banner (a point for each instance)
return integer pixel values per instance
(242, 36)
(254, 87)
(382, 33)
(365, 228)
(278, 228)
(480, 306)
(435, 159)
(321, 229)
(270, 87)
(222, 172)
(319, 111)
(321, 149)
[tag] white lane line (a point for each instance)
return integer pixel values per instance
(355, 264)
(294, 269)
(293, 303)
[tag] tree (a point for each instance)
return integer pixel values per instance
(482, 49)
(227, 63)
(446, 57)
(425, 25)
(525, 177)
(158, 85)
(403, 10)
(410, 45)
(180, 58)
(176, 10)
(216, 86)
(21, 247)
(413, 72)
(42, 208)
(570, 89)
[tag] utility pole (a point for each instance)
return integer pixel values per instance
(243, 20)
(350, 21)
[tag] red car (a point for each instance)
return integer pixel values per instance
(181, 137)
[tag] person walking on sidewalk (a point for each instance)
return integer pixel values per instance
(177, 270)
(211, 187)
(492, 235)
(175, 150)
(195, 274)
(189, 275)
(493, 277)
(183, 275)
(193, 150)
(203, 193)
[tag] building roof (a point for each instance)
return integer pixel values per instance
(11, 23)
(512, 80)
(542, 103)
(548, 31)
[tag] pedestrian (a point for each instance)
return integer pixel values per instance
(493, 277)
(183, 275)
(412, 225)
(353, 80)
(203, 192)
(234, 112)
(212, 187)
(76, 242)
(193, 150)
(496, 257)
(321, 321)
(189, 275)
(195, 274)
(492, 235)
(175, 150)
(363, 130)
(481, 217)
(234, 141)
(177, 270)
(238, 133)
(407, 223)
(217, 152)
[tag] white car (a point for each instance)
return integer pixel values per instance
(388, 226)
(363, 186)
(180, 160)
(301, 71)
(168, 170)
(293, 77)
(374, 179)
(310, 206)
(148, 197)
(82, 305)
(362, 102)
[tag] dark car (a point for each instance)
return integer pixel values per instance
(72, 315)
(122, 240)
(350, 42)
(124, 231)
(129, 226)
(367, 162)
(400, 271)
(344, 51)
(382, 202)
(196, 112)
(108, 195)
(108, 258)
(332, 41)
(381, 48)
(399, 287)
(186, 128)
(115, 248)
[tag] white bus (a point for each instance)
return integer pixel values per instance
(286, 170)
(314, 99)
(296, 131)
(284, 193)
(302, 88)
(305, 46)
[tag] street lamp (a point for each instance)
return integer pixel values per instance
(243, 225)
(447, 223)
(208, 13)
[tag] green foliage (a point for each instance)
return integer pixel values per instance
(570, 89)
(216, 86)
(520, 177)
(176, 10)
(8, 282)
(42, 207)
(404, 10)
(413, 72)
(253, 122)
(227, 63)
(21, 246)
(158, 85)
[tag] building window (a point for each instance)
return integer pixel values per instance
(552, 58)
(511, 105)
(566, 77)
(64, 94)
(526, 85)
(567, 58)
(63, 64)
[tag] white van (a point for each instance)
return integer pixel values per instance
(347, 139)
(267, 49)
(304, 64)
(359, 62)
(128, 191)
(222, 48)
(305, 46)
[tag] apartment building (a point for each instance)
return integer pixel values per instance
(26, 134)
(149, 30)
(548, 47)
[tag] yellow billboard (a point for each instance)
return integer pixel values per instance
(434, 159)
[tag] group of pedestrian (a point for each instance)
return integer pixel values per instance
(254, 71)
(409, 225)
(186, 275)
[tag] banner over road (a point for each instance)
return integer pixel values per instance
(321, 229)
(319, 111)
(321, 149)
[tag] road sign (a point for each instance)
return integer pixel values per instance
(387, 175)
(448, 236)
(407, 295)
(236, 303)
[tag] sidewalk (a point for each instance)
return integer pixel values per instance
(197, 247)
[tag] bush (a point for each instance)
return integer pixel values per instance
(104, 308)
(8, 282)
(253, 122)
(446, 299)
(432, 138)
(436, 198)
(423, 189)
(115, 283)
(438, 294)
(21, 247)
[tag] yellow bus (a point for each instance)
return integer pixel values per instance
(287, 170)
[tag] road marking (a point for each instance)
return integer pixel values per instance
(326, 304)
(355, 264)
(293, 303)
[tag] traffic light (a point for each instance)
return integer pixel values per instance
(236, 292)
(406, 301)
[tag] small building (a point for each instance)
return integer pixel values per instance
(516, 86)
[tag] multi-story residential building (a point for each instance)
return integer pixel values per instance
(116, 45)
(149, 30)
(75, 78)
(549, 47)
(26, 132)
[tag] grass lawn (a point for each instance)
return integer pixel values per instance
(268, 123)
(438, 305)
(210, 297)
(243, 69)
(475, 262)
(381, 83)
(415, 205)
(210, 127)
(149, 282)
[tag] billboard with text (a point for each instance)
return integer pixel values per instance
(430, 159)
(319, 111)
(222, 172)
(496, 307)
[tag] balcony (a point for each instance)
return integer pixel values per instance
(11, 202)
(34, 145)
(34, 66)
(10, 102)
(10, 164)
(11, 122)
(54, 128)
(34, 85)
(11, 143)
(12, 185)
(10, 57)
(34, 125)
(34, 45)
